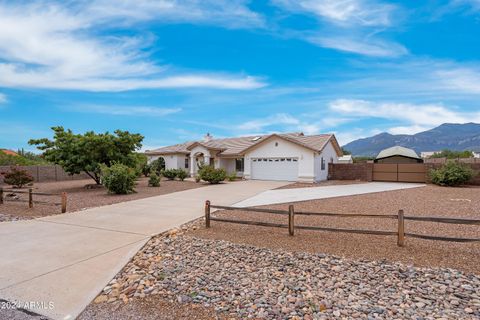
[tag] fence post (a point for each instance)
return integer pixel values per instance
(64, 202)
(30, 198)
(401, 229)
(291, 220)
(207, 214)
(1, 195)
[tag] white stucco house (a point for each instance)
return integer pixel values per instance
(288, 156)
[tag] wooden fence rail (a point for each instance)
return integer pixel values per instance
(400, 217)
(62, 203)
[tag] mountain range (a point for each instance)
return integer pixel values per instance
(453, 136)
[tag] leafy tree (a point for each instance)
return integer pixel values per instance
(87, 152)
(449, 154)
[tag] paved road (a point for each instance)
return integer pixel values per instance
(303, 194)
(67, 259)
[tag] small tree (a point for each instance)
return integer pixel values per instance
(181, 174)
(451, 174)
(212, 175)
(154, 180)
(118, 178)
(77, 153)
(17, 177)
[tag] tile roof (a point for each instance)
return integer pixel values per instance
(237, 146)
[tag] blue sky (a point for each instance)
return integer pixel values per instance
(174, 70)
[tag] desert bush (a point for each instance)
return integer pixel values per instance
(17, 177)
(181, 174)
(118, 178)
(154, 180)
(147, 170)
(451, 174)
(170, 174)
(232, 176)
(212, 175)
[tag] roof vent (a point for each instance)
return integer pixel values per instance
(208, 137)
(256, 138)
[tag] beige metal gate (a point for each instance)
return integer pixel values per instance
(401, 172)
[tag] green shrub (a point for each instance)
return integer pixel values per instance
(197, 178)
(147, 170)
(139, 163)
(232, 176)
(17, 177)
(212, 175)
(181, 174)
(154, 180)
(170, 174)
(118, 178)
(451, 174)
(158, 166)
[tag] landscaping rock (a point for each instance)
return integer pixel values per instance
(251, 282)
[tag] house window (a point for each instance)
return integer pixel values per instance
(239, 163)
(187, 160)
(323, 164)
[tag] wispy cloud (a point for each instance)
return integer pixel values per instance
(226, 13)
(353, 26)
(418, 117)
(49, 45)
(344, 12)
(365, 46)
(3, 98)
(140, 111)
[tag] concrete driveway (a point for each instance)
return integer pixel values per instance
(56, 265)
(312, 193)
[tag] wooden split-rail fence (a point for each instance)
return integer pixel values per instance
(291, 213)
(31, 193)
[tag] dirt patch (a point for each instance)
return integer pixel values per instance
(82, 197)
(428, 201)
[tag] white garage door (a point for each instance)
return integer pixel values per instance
(283, 169)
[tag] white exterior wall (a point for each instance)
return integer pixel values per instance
(227, 164)
(329, 155)
(172, 161)
(285, 149)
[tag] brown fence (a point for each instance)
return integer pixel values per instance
(365, 171)
(401, 172)
(291, 213)
(46, 173)
(31, 201)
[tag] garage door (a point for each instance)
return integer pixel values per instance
(283, 169)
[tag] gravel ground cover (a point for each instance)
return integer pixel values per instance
(245, 281)
(427, 201)
(80, 197)
(150, 308)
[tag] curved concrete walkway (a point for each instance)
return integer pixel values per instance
(60, 263)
